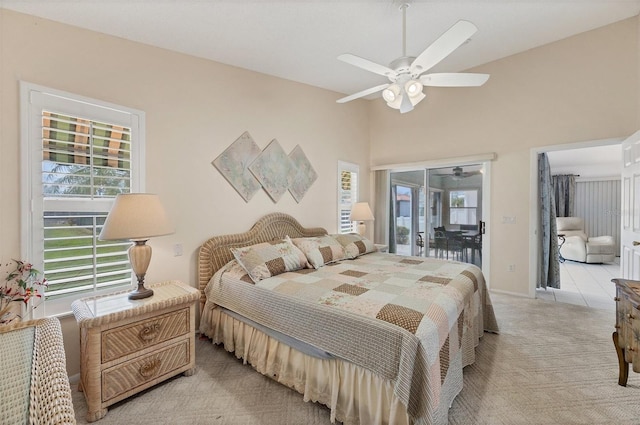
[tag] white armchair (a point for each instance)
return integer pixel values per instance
(579, 247)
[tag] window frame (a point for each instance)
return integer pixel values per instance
(452, 208)
(33, 100)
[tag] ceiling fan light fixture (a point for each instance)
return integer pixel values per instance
(391, 93)
(413, 88)
(394, 100)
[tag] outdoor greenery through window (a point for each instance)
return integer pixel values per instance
(463, 206)
(77, 155)
(82, 160)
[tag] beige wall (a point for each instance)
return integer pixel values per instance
(578, 89)
(582, 88)
(194, 110)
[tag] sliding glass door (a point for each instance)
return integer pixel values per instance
(408, 212)
(437, 213)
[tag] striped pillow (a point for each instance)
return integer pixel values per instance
(320, 250)
(268, 259)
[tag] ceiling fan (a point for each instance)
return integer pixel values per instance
(405, 73)
(457, 173)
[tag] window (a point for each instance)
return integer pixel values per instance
(347, 195)
(462, 206)
(77, 155)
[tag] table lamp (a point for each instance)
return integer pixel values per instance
(361, 212)
(137, 217)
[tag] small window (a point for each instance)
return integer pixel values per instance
(347, 195)
(78, 155)
(463, 206)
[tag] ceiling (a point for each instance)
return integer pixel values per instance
(299, 40)
(591, 162)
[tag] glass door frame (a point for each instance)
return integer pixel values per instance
(484, 160)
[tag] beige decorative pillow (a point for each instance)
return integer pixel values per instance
(320, 250)
(268, 259)
(354, 245)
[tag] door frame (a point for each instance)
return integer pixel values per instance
(630, 233)
(485, 160)
(534, 211)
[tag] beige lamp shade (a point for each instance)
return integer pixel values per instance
(136, 216)
(361, 212)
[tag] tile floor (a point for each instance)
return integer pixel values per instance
(585, 284)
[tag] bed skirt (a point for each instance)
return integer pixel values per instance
(354, 394)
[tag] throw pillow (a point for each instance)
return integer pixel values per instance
(320, 250)
(268, 259)
(354, 245)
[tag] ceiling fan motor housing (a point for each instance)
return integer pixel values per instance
(402, 65)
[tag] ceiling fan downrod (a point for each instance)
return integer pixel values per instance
(404, 7)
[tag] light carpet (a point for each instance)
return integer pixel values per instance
(551, 363)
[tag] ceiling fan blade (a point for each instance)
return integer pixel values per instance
(363, 93)
(454, 79)
(453, 38)
(366, 64)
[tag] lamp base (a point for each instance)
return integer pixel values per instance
(362, 228)
(140, 256)
(140, 293)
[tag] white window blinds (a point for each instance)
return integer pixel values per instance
(347, 195)
(84, 158)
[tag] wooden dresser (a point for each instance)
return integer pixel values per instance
(127, 346)
(627, 333)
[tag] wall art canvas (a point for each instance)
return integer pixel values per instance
(274, 170)
(234, 164)
(304, 175)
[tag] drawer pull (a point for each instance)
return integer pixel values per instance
(150, 368)
(616, 298)
(149, 332)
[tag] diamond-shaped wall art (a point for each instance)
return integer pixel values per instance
(234, 164)
(274, 170)
(304, 174)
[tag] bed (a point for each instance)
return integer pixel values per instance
(378, 338)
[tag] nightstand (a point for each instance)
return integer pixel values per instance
(127, 346)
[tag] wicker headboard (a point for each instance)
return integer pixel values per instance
(216, 252)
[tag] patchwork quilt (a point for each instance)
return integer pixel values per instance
(414, 321)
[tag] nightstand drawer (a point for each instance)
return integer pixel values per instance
(136, 372)
(128, 339)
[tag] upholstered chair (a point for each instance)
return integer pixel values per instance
(577, 246)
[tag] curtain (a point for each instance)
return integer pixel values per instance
(415, 219)
(549, 265)
(392, 219)
(381, 206)
(564, 189)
